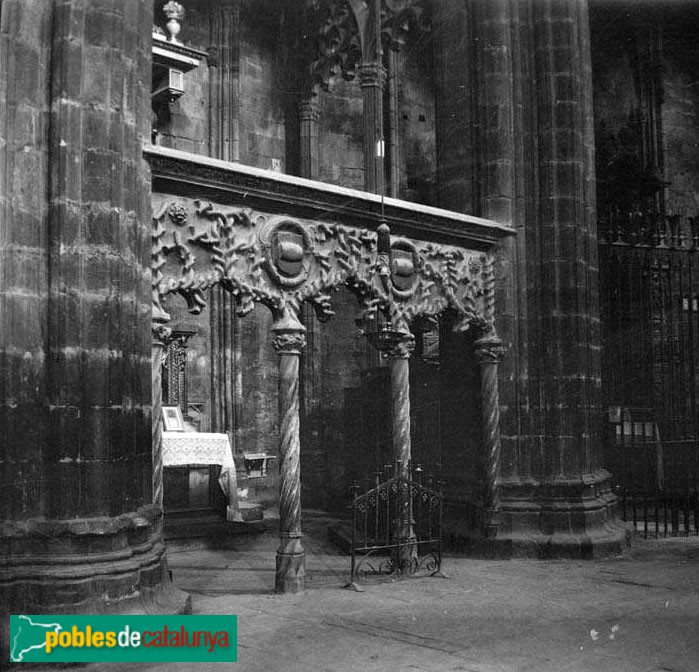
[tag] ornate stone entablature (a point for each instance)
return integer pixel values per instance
(281, 241)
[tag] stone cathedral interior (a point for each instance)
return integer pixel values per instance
(337, 234)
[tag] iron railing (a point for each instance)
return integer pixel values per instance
(659, 513)
(396, 527)
(649, 305)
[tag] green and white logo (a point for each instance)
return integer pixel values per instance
(137, 639)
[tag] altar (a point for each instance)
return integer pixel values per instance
(193, 449)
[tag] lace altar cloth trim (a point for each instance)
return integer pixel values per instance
(182, 449)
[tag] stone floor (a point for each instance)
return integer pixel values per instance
(635, 613)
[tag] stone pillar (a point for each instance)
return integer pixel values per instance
(289, 340)
(489, 352)
(399, 364)
(475, 107)
(162, 336)
(224, 75)
(372, 77)
(555, 499)
(456, 120)
(309, 115)
(311, 362)
(224, 144)
(25, 58)
(394, 149)
(85, 533)
(226, 389)
(515, 144)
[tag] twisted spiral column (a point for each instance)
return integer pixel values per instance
(489, 351)
(399, 364)
(289, 340)
(162, 336)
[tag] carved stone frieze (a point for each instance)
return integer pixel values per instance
(283, 262)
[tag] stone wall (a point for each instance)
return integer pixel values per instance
(24, 165)
(619, 34)
(681, 115)
(78, 524)
(340, 135)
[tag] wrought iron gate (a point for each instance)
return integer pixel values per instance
(649, 300)
(396, 527)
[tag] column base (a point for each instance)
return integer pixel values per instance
(291, 567)
(564, 518)
(86, 566)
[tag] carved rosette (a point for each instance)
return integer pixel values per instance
(177, 213)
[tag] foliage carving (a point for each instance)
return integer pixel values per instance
(228, 247)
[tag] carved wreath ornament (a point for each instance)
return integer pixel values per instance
(282, 262)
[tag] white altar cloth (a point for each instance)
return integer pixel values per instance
(188, 449)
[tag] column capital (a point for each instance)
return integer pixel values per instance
(401, 349)
(289, 344)
(371, 74)
(309, 110)
(392, 343)
(288, 335)
(489, 349)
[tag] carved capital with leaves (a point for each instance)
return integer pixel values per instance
(288, 334)
(489, 349)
